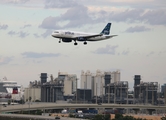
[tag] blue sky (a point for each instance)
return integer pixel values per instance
(27, 47)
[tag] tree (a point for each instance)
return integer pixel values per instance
(21, 101)
(9, 102)
(37, 101)
(101, 117)
(30, 98)
(118, 116)
(163, 118)
(98, 117)
(121, 117)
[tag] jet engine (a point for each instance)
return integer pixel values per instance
(66, 40)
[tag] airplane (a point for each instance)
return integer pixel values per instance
(68, 36)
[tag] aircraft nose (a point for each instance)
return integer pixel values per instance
(52, 34)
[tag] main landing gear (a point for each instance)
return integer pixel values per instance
(85, 43)
(75, 43)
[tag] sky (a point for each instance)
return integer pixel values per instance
(28, 49)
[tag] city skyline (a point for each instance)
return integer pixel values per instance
(28, 49)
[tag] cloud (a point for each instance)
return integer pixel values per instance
(39, 55)
(11, 33)
(50, 23)
(126, 15)
(14, 1)
(36, 35)
(46, 33)
(23, 34)
(107, 50)
(151, 53)
(60, 3)
(73, 19)
(78, 19)
(84, 17)
(162, 52)
(20, 34)
(149, 4)
(3, 27)
(27, 25)
(5, 60)
(137, 29)
(155, 17)
(125, 52)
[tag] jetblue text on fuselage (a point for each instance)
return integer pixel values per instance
(69, 33)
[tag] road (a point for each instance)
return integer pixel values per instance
(45, 106)
(36, 117)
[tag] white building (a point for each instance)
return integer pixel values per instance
(69, 81)
(97, 81)
(34, 93)
(86, 80)
(115, 76)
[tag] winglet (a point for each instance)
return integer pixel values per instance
(106, 30)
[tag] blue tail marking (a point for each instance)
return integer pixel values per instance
(106, 30)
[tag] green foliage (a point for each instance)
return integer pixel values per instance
(9, 102)
(118, 116)
(30, 98)
(163, 118)
(129, 118)
(38, 112)
(21, 101)
(37, 101)
(98, 117)
(101, 117)
(121, 117)
(71, 115)
(107, 117)
(33, 112)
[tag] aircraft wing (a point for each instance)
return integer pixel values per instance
(88, 36)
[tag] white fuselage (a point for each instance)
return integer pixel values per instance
(73, 35)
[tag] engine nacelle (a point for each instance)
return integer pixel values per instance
(66, 40)
(81, 39)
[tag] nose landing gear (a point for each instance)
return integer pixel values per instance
(59, 40)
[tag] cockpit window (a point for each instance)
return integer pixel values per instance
(56, 32)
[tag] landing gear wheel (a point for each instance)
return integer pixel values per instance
(75, 43)
(85, 43)
(59, 40)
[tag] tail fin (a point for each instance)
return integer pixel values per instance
(106, 30)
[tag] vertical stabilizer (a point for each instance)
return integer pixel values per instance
(106, 30)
